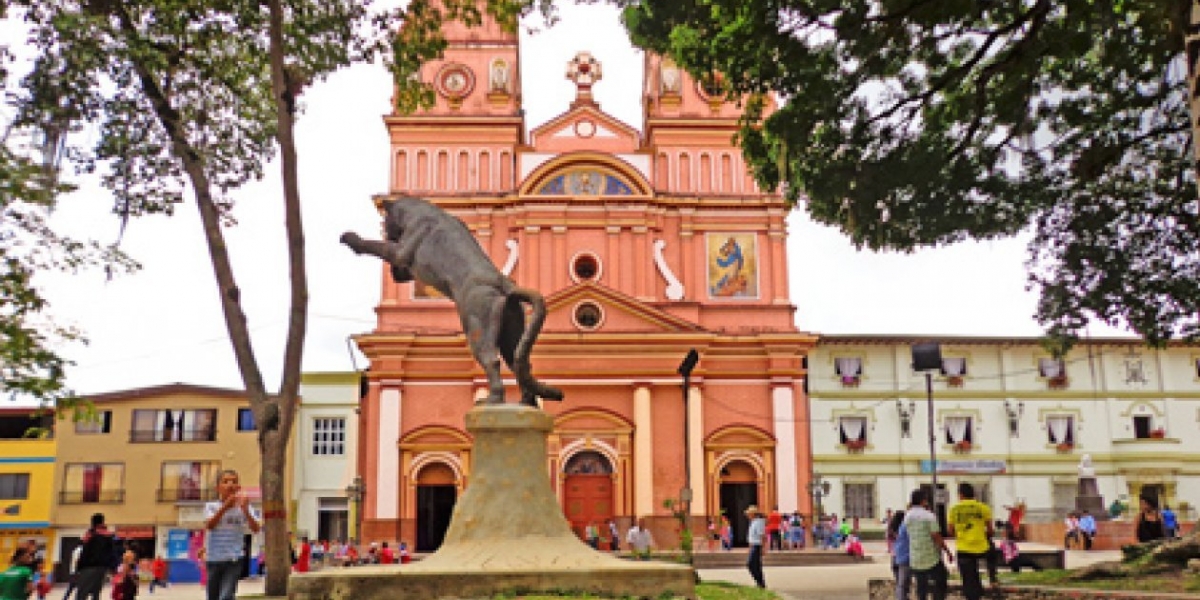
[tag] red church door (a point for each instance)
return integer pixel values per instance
(588, 492)
(588, 498)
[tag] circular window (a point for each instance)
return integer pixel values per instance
(588, 316)
(585, 267)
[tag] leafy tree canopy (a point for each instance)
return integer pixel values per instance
(914, 123)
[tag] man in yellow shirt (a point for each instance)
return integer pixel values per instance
(971, 525)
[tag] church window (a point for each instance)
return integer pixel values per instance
(586, 267)
(588, 316)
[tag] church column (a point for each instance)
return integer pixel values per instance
(776, 241)
(641, 263)
(531, 260)
(787, 480)
(558, 279)
(697, 473)
(694, 288)
(387, 459)
(643, 453)
(613, 256)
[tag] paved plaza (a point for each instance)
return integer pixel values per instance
(841, 582)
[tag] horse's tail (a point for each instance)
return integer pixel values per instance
(520, 364)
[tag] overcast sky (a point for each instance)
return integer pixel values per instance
(163, 324)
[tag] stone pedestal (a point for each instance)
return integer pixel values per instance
(1087, 497)
(507, 534)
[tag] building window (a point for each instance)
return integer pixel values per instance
(860, 500)
(174, 425)
(1143, 427)
(329, 436)
(93, 483)
(852, 430)
(188, 481)
(246, 420)
(849, 370)
(954, 369)
(958, 430)
(101, 424)
(1061, 429)
(14, 486)
(1054, 371)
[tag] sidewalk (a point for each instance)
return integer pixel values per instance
(178, 591)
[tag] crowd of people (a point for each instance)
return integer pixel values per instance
(312, 555)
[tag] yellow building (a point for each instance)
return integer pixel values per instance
(26, 483)
(149, 462)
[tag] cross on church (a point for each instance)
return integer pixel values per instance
(585, 71)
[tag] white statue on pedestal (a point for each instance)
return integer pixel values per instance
(1086, 470)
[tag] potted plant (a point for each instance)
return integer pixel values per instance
(1065, 447)
(954, 381)
(962, 447)
(849, 380)
(1058, 382)
(1158, 433)
(856, 445)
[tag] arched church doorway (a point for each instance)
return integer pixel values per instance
(588, 491)
(436, 495)
(739, 490)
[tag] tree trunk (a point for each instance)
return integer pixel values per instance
(274, 443)
(273, 415)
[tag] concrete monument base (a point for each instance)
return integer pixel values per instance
(507, 534)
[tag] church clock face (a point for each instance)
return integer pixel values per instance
(455, 81)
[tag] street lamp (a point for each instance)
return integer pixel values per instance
(906, 415)
(1014, 416)
(685, 495)
(818, 488)
(927, 357)
(355, 492)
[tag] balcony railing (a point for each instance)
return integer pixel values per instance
(92, 497)
(186, 495)
(172, 435)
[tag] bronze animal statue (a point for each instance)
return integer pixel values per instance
(426, 243)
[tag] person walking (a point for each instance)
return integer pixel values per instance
(158, 570)
(614, 535)
(16, 582)
(1087, 528)
(74, 576)
(726, 534)
(970, 523)
(774, 523)
(95, 560)
(926, 546)
(1071, 527)
(1170, 523)
(755, 536)
(304, 557)
(639, 540)
(227, 520)
(897, 535)
(1150, 525)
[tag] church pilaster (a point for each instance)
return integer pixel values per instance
(643, 452)
(784, 428)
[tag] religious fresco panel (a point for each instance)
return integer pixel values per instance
(732, 265)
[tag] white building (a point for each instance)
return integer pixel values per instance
(325, 454)
(1008, 417)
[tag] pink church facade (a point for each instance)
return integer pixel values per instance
(646, 244)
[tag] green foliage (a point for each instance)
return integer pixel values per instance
(686, 539)
(913, 123)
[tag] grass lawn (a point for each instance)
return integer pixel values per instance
(1177, 581)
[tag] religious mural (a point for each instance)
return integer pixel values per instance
(732, 265)
(586, 183)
